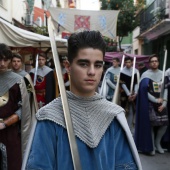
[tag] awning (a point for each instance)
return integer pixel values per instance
(17, 37)
(110, 55)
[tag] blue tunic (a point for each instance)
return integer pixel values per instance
(50, 150)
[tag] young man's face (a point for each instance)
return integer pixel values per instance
(4, 63)
(64, 63)
(41, 61)
(85, 72)
(154, 63)
(16, 64)
(128, 63)
(115, 63)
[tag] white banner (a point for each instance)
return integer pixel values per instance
(74, 20)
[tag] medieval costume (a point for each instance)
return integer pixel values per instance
(26, 77)
(14, 103)
(98, 125)
(148, 118)
(30, 90)
(109, 82)
(125, 85)
(166, 139)
(66, 78)
(45, 85)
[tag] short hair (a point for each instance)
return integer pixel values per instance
(43, 55)
(128, 58)
(85, 39)
(5, 52)
(16, 55)
(152, 56)
(117, 59)
(141, 63)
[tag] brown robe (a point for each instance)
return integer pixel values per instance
(11, 136)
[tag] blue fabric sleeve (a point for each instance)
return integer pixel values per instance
(44, 146)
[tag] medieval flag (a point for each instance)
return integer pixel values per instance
(74, 20)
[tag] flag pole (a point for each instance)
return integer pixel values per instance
(133, 74)
(69, 126)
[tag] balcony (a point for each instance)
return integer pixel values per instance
(155, 20)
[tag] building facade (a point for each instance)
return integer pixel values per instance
(153, 34)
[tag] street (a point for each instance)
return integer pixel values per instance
(157, 162)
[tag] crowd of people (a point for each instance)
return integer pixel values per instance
(145, 101)
(108, 135)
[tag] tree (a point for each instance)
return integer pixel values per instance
(126, 18)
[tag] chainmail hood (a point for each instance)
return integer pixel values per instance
(128, 71)
(153, 75)
(7, 80)
(41, 71)
(113, 70)
(21, 73)
(90, 116)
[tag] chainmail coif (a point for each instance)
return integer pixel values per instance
(90, 116)
(7, 80)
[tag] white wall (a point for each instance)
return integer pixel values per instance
(18, 9)
(88, 4)
(13, 9)
(5, 10)
(137, 43)
(38, 3)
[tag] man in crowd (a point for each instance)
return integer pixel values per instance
(63, 61)
(110, 80)
(151, 114)
(99, 125)
(16, 64)
(15, 118)
(142, 67)
(128, 95)
(43, 76)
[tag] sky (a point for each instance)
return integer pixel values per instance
(89, 4)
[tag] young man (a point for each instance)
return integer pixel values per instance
(110, 80)
(102, 142)
(16, 64)
(45, 82)
(151, 113)
(128, 97)
(63, 61)
(142, 67)
(15, 118)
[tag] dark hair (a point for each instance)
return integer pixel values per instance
(16, 55)
(152, 56)
(43, 55)
(128, 58)
(140, 64)
(85, 39)
(117, 59)
(5, 52)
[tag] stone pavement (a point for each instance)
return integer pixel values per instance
(157, 162)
